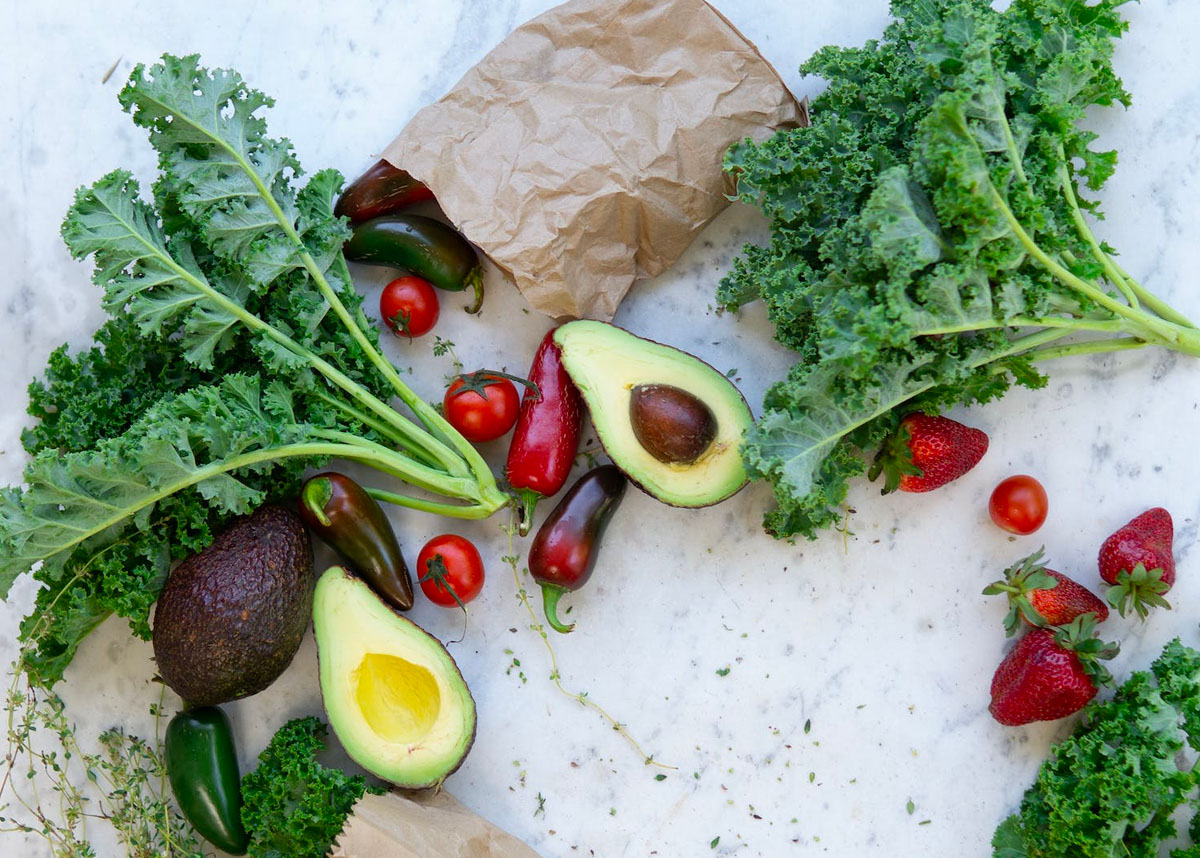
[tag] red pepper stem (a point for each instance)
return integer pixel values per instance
(528, 500)
(551, 593)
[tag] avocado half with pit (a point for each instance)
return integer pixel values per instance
(393, 694)
(670, 421)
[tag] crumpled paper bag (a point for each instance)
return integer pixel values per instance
(425, 826)
(584, 152)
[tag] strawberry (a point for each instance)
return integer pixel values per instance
(1050, 673)
(926, 452)
(1138, 562)
(1039, 596)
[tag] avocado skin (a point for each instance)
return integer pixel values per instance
(230, 619)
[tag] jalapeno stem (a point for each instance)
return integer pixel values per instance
(550, 596)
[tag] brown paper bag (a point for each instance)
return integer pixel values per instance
(425, 826)
(584, 152)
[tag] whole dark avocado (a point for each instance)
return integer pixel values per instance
(231, 618)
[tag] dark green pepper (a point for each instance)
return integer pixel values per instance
(564, 551)
(381, 190)
(422, 246)
(340, 511)
(202, 767)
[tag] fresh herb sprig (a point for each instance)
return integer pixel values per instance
(930, 234)
(236, 356)
(52, 786)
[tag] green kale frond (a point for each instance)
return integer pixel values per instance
(294, 807)
(929, 243)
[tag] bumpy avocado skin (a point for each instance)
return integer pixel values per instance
(608, 363)
(230, 619)
(350, 624)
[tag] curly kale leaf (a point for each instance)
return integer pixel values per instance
(1113, 787)
(929, 243)
(294, 807)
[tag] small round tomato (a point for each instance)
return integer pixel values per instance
(409, 306)
(1019, 504)
(482, 405)
(450, 570)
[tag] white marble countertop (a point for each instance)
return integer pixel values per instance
(806, 693)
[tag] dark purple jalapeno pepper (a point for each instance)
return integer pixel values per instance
(564, 551)
(340, 511)
(383, 189)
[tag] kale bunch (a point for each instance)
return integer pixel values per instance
(293, 806)
(931, 243)
(235, 356)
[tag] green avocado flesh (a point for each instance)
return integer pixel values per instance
(393, 694)
(607, 363)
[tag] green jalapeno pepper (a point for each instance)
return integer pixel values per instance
(202, 767)
(421, 246)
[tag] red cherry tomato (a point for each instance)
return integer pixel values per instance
(450, 570)
(1019, 504)
(482, 406)
(409, 306)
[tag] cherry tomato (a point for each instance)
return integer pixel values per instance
(1019, 504)
(450, 570)
(409, 306)
(482, 405)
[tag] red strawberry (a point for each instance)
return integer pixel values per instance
(1042, 597)
(1138, 561)
(926, 452)
(1050, 673)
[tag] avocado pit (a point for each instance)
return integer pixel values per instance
(672, 425)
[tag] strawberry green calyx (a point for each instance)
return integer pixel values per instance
(1019, 582)
(894, 460)
(1038, 596)
(1139, 589)
(1079, 636)
(926, 451)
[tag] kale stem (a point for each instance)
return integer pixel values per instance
(1133, 291)
(383, 429)
(1014, 347)
(1078, 324)
(376, 456)
(424, 412)
(1158, 305)
(1156, 330)
(474, 511)
(1086, 348)
(1068, 188)
(409, 470)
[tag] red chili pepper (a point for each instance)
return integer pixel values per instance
(381, 190)
(564, 551)
(547, 435)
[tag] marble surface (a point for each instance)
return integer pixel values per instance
(827, 697)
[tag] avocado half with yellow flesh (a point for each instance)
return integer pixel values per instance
(670, 421)
(393, 694)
